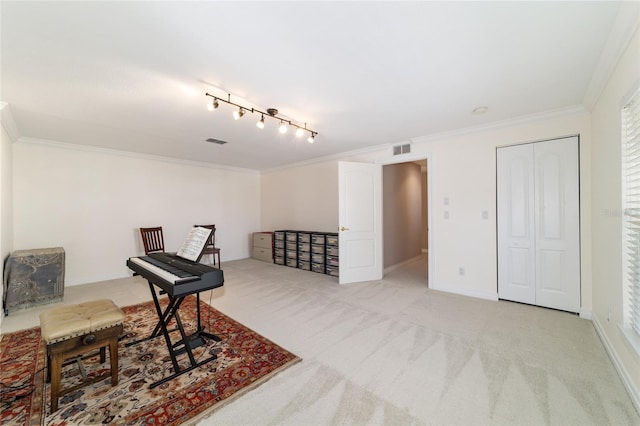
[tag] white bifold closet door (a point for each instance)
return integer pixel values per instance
(539, 224)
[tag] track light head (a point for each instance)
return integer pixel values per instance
(311, 138)
(260, 124)
(238, 114)
(213, 104)
(299, 132)
(283, 127)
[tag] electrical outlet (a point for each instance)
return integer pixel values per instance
(485, 215)
(446, 215)
(461, 271)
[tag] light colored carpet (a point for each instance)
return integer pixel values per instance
(397, 353)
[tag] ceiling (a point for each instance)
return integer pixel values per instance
(132, 76)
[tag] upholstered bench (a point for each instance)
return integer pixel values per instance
(74, 330)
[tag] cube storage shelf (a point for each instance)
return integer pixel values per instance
(307, 250)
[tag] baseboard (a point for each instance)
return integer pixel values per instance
(96, 278)
(633, 392)
(464, 291)
(585, 314)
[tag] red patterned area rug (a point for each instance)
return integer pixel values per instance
(22, 361)
(244, 360)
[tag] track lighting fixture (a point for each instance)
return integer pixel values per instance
(270, 112)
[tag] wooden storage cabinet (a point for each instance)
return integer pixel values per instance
(310, 251)
(263, 246)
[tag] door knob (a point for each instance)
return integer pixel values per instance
(342, 228)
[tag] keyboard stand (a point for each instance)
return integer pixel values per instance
(201, 331)
(186, 343)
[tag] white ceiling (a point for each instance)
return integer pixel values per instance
(132, 76)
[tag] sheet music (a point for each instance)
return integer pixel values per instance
(194, 244)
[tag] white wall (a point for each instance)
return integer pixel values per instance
(6, 193)
(92, 202)
(463, 170)
(301, 198)
(607, 213)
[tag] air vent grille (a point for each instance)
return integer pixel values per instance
(218, 141)
(402, 149)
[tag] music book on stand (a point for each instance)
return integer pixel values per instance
(194, 245)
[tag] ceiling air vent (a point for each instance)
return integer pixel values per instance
(402, 149)
(218, 141)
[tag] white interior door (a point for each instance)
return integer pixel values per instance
(539, 224)
(558, 224)
(360, 221)
(516, 224)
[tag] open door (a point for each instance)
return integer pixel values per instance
(360, 221)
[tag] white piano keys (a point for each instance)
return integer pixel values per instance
(167, 276)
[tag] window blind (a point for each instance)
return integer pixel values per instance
(631, 200)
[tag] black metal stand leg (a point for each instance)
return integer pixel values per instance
(165, 333)
(166, 317)
(201, 331)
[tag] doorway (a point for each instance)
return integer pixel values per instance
(360, 205)
(406, 217)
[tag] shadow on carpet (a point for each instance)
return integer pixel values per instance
(245, 359)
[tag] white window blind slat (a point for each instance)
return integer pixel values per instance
(631, 209)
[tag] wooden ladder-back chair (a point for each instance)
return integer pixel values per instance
(211, 248)
(152, 239)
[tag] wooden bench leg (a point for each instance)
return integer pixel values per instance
(113, 357)
(56, 376)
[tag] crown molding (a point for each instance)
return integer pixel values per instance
(523, 119)
(560, 112)
(326, 158)
(107, 151)
(510, 122)
(624, 27)
(8, 123)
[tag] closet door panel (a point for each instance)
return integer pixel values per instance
(558, 226)
(516, 249)
(550, 205)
